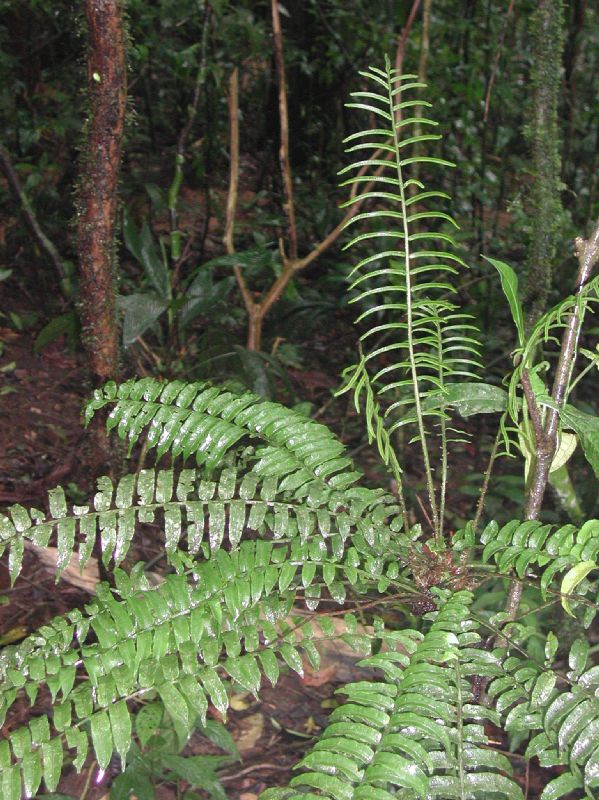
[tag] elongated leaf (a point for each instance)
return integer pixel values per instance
(509, 284)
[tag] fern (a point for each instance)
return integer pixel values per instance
(407, 285)
(418, 732)
(268, 516)
(561, 714)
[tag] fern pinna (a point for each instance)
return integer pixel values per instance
(266, 515)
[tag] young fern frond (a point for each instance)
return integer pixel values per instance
(407, 282)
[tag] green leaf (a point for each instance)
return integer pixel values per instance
(120, 723)
(587, 428)
(566, 447)
(148, 721)
(468, 398)
(174, 703)
(220, 736)
(571, 580)
(140, 312)
(198, 771)
(134, 782)
(561, 786)
(509, 284)
(142, 248)
(52, 755)
(64, 324)
(102, 738)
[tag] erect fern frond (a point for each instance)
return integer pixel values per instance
(205, 421)
(424, 342)
(560, 712)
(232, 619)
(417, 732)
(204, 511)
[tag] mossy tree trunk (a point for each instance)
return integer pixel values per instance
(547, 32)
(97, 199)
(98, 184)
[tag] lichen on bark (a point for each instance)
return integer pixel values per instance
(542, 133)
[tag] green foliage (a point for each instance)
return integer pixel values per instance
(272, 517)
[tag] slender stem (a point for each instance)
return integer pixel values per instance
(43, 241)
(444, 446)
(485, 487)
(409, 327)
(401, 44)
(588, 256)
(497, 59)
(232, 194)
(285, 165)
(175, 187)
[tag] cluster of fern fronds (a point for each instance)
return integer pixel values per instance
(264, 515)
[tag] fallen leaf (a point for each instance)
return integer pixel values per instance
(252, 728)
(320, 677)
(239, 702)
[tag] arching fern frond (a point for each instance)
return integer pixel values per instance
(417, 732)
(546, 552)
(418, 340)
(205, 422)
(203, 510)
(232, 618)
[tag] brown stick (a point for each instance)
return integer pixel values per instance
(403, 38)
(284, 163)
(257, 311)
(255, 316)
(30, 218)
(587, 252)
(497, 59)
(98, 198)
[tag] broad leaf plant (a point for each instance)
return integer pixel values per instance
(264, 516)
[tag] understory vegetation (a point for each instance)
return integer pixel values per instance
(454, 549)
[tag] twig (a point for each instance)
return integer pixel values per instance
(30, 218)
(497, 59)
(175, 187)
(253, 768)
(233, 160)
(401, 44)
(587, 252)
(257, 311)
(288, 206)
(485, 487)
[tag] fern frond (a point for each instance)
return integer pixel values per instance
(183, 639)
(406, 285)
(560, 712)
(206, 422)
(202, 510)
(546, 552)
(417, 732)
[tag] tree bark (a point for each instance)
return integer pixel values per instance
(547, 29)
(98, 183)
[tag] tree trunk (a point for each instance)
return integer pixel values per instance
(97, 204)
(98, 182)
(547, 29)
